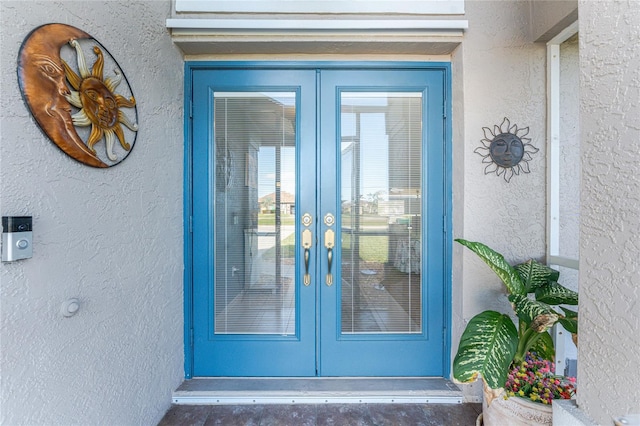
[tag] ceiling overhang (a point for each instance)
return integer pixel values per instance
(197, 36)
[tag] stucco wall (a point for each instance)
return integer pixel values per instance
(504, 76)
(112, 238)
(610, 255)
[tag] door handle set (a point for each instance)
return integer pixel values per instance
(329, 241)
(307, 243)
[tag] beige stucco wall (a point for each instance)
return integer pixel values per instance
(112, 238)
(610, 255)
(503, 76)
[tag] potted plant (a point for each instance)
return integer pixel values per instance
(492, 347)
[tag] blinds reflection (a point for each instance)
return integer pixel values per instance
(381, 202)
(254, 291)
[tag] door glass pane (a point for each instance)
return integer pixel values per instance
(381, 201)
(255, 188)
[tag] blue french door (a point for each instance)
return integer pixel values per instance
(319, 209)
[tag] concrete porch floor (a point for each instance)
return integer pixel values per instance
(319, 401)
(323, 414)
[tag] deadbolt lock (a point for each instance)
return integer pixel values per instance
(307, 219)
(329, 220)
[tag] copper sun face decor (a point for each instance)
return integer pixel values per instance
(505, 150)
(75, 105)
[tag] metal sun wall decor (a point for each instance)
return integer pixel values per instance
(74, 104)
(505, 150)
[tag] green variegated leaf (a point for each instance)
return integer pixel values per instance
(535, 275)
(556, 294)
(538, 315)
(570, 324)
(544, 347)
(486, 348)
(496, 262)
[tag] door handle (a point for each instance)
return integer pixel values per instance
(329, 242)
(307, 241)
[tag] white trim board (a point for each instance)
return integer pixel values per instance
(438, 7)
(225, 390)
(200, 25)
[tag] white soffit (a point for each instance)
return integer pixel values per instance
(433, 7)
(197, 36)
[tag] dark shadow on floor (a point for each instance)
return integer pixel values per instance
(324, 414)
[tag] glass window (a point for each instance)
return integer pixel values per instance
(254, 238)
(381, 198)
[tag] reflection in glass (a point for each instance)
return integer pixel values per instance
(381, 202)
(254, 286)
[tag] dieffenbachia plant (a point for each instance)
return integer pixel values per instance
(491, 342)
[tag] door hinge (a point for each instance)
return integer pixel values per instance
(191, 337)
(191, 224)
(190, 109)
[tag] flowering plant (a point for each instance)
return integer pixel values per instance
(535, 379)
(492, 343)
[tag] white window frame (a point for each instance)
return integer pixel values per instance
(553, 173)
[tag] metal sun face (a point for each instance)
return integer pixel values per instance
(506, 150)
(100, 107)
(99, 103)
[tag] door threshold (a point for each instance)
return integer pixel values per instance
(317, 390)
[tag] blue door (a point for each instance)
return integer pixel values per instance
(319, 209)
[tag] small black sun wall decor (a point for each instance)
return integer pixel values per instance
(505, 150)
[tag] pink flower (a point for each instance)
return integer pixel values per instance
(535, 379)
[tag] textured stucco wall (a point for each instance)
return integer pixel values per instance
(610, 214)
(112, 238)
(504, 76)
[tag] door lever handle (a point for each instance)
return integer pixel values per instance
(329, 242)
(307, 277)
(329, 279)
(307, 241)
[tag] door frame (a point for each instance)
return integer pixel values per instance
(191, 66)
